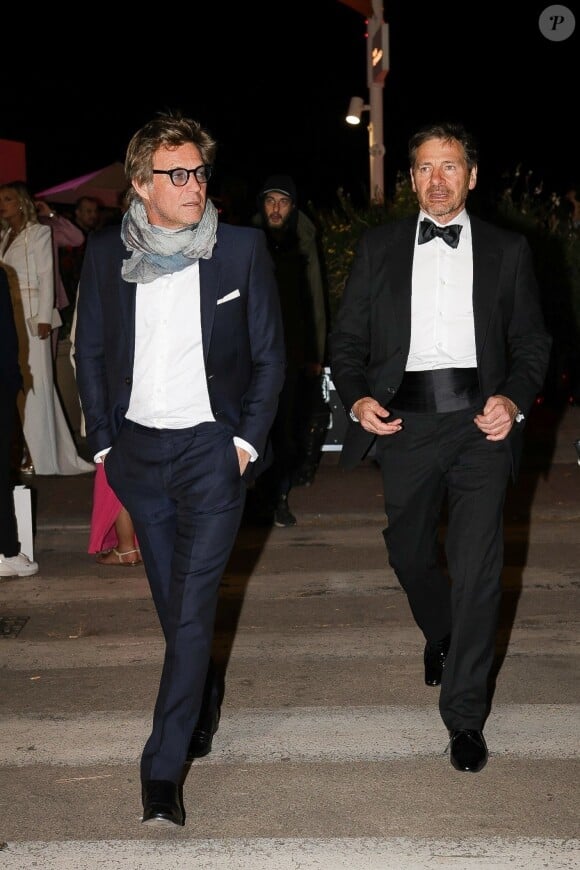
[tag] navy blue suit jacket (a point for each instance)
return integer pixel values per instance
(371, 338)
(10, 374)
(243, 342)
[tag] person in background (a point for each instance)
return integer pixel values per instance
(179, 353)
(26, 250)
(438, 352)
(87, 214)
(112, 533)
(13, 563)
(64, 233)
(86, 219)
(291, 238)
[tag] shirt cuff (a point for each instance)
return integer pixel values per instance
(239, 442)
(100, 456)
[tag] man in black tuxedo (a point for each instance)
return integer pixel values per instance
(438, 352)
(180, 360)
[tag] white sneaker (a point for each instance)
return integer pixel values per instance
(17, 566)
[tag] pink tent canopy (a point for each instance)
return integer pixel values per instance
(106, 184)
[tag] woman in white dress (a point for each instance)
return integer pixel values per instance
(26, 252)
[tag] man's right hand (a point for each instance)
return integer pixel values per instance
(374, 418)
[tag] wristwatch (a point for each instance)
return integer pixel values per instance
(519, 416)
(353, 417)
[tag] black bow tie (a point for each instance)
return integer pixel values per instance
(428, 230)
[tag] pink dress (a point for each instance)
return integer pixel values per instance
(106, 507)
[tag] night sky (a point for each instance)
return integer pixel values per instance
(272, 82)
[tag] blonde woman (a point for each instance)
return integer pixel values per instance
(26, 252)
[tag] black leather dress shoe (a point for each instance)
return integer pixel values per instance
(202, 737)
(434, 658)
(468, 750)
(162, 803)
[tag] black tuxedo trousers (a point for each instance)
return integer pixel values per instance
(183, 490)
(443, 460)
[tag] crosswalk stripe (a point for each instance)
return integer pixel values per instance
(333, 735)
(539, 637)
(357, 853)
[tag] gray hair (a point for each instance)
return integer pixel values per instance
(447, 131)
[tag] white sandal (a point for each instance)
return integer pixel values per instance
(119, 554)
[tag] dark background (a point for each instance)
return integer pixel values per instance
(272, 82)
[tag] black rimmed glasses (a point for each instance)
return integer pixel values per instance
(179, 177)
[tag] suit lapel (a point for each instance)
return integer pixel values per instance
(126, 310)
(209, 288)
(487, 257)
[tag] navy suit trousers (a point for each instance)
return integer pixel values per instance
(183, 490)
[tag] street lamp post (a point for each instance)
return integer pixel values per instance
(377, 68)
(376, 146)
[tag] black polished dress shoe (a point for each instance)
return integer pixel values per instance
(202, 737)
(468, 750)
(162, 803)
(434, 658)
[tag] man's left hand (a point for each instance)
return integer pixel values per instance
(497, 418)
(243, 459)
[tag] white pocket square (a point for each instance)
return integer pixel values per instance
(229, 296)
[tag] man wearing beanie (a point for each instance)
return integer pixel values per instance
(291, 238)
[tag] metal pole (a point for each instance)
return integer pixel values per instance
(376, 146)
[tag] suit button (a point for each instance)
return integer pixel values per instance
(128, 381)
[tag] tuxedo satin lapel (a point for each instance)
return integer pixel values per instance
(209, 284)
(400, 266)
(487, 258)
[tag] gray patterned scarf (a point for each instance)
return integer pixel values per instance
(156, 251)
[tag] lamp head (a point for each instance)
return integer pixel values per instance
(355, 110)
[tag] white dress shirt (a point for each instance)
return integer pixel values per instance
(169, 388)
(169, 385)
(442, 328)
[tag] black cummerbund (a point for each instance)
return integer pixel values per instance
(438, 391)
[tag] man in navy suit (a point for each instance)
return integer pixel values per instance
(438, 352)
(180, 360)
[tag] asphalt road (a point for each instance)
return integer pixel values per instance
(330, 752)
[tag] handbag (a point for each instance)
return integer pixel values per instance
(32, 321)
(32, 324)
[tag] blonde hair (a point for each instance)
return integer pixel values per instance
(25, 202)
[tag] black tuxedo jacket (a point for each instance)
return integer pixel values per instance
(241, 326)
(370, 341)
